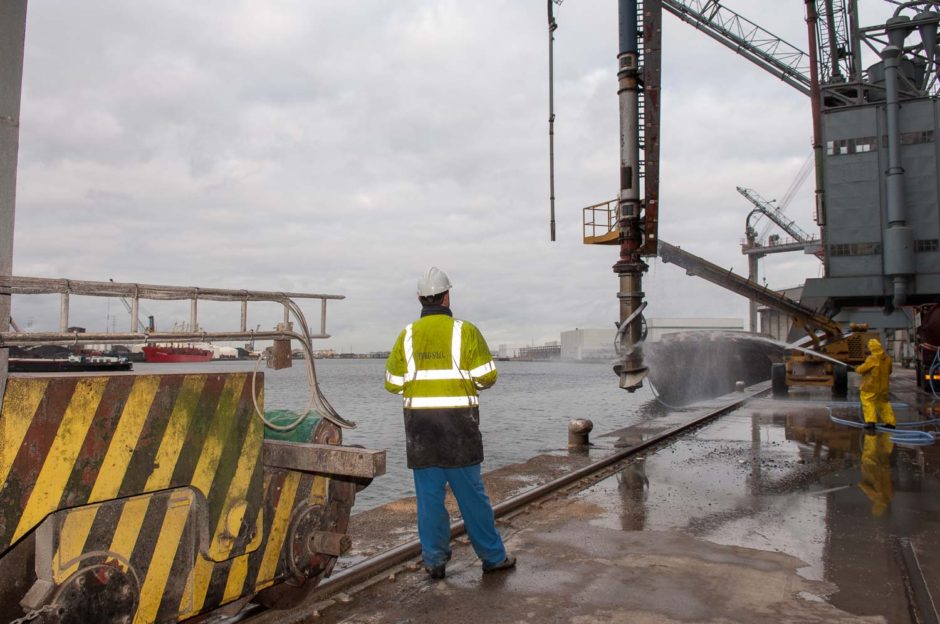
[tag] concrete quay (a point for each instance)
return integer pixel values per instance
(771, 513)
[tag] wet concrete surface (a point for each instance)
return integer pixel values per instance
(771, 513)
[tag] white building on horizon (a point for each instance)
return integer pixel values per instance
(658, 327)
(588, 344)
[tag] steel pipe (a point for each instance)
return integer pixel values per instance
(898, 249)
(69, 338)
(630, 266)
(15, 285)
(64, 312)
(12, 46)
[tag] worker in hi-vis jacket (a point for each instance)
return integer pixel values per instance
(438, 364)
(873, 391)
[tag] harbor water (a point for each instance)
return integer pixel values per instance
(525, 414)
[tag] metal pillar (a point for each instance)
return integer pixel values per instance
(855, 73)
(630, 267)
(812, 23)
(64, 312)
(832, 42)
(552, 25)
(752, 267)
(12, 39)
(899, 237)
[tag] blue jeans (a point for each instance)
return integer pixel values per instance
(434, 521)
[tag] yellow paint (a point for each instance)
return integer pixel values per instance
(211, 451)
(56, 470)
(233, 513)
(75, 529)
(319, 489)
(233, 519)
(272, 551)
(175, 435)
(234, 507)
(206, 467)
(126, 434)
(72, 541)
(236, 579)
(20, 402)
(259, 533)
(128, 527)
(198, 578)
(197, 582)
(174, 523)
(132, 516)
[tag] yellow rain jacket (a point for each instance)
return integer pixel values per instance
(873, 391)
(438, 364)
(875, 370)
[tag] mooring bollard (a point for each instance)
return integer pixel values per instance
(739, 386)
(579, 430)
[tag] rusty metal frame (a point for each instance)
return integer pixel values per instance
(65, 288)
(652, 78)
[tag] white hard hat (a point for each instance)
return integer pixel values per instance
(434, 282)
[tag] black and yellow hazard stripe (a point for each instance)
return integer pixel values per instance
(77, 441)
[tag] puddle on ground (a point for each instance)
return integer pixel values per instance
(780, 476)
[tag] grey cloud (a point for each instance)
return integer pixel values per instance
(343, 147)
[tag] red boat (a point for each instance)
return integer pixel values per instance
(156, 353)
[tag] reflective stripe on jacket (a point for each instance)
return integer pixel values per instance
(439, 362)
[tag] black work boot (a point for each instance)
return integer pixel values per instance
(508, 562)
(437, 572)
(886, 426)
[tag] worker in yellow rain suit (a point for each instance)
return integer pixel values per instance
(873, 391)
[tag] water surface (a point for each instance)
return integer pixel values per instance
(526, 413)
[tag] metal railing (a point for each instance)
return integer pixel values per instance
(135, 292)
(599, 219)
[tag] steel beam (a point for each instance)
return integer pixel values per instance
(324, 458)
(12, 46)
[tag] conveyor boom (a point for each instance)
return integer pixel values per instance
(728, 279)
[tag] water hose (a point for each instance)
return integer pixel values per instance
(663, 403)
(317, 402)
(898, 436)
(636, 316)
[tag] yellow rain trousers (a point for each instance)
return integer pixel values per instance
(873, 391)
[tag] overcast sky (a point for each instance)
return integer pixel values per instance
(343, 147)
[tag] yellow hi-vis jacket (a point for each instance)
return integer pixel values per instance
(437, 364)
(439, 361)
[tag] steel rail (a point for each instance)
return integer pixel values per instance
(69, 338)
(14, 285)
(374, 566)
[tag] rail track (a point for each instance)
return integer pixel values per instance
(380, 567)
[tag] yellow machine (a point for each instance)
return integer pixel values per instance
(807, 369)
(147, 498)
